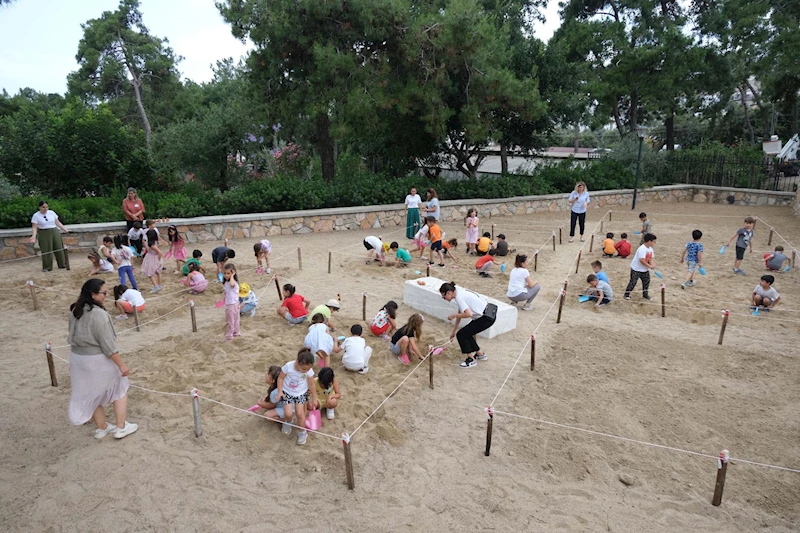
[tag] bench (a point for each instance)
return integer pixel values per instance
(427, 299)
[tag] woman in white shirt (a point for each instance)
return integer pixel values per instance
(521, 288)
(482, 315)
(579, 200)
(45, 225)
(412, 213)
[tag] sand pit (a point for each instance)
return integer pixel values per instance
(419, 461)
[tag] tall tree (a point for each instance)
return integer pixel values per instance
(117, 56)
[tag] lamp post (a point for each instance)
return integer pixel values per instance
(640, 131)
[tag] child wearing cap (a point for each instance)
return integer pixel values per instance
(502, 248)
(248, 301)
(326, 311)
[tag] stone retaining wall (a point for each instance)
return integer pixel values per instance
(14, 243)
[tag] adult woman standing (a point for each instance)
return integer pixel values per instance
(579, 200)
(99, 376)
(432, 203)
(45, 226)
(482, 313)
(133, 207)
(521, 288)
(412, 213)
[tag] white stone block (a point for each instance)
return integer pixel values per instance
(427, 299)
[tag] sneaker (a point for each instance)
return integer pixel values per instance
(153, 290)
(527, 307)
(286, 428)
(481, 357)
(627, 297)
(741, 272)
(252, 313)
(121, 317)
(367, 262)
(690, 283)
(469, 362)
(648, 298)
(572, 239)
(386, 337)
(100, 433)
(364, 370)
(330, 414)
(583, 240)
(302, 436)
(127, 430)
(683, 285)
(403, 359)
(431, 263)
(441, 265)
(269, 271)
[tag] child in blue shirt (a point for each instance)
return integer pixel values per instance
(693, 254)
(597, 268)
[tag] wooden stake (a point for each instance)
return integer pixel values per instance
(278, 287)
(299, 259)
(591, 243)
(722, 470)
(198, 428)
(609, 214)
(560, 235)
(66, 257)
(492, 231)
(136, 317)
(578, 264)
(490, 414)
(348, 462)
(533, 351)
(601, 225)
(561, 306)
(428, 270)
(364, 306)
(50, 366)
(535, 260)
(725, 314)
(194, 317)
(339, 297)
(769, 241)
(33, 295)
(794, 255)
(554, 240)
(663, 304)
(430, 366)
(329, 261)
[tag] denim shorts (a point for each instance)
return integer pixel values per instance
(692, 266)
(394, 348)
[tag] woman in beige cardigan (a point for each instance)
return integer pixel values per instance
(98, 374)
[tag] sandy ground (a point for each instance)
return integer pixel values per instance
(419, 461)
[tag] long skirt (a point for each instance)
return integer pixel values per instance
(412, 222)
(50, 244)
(96, 381)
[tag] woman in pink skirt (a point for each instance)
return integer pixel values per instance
(98, 374)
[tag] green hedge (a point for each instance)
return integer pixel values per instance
(287, 193)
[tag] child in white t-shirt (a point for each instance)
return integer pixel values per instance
(374, 246)
(641, 265)
(295, 384)
(356, 352)
(421, 239)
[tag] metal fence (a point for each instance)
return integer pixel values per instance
(722, 171)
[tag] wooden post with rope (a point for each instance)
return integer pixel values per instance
(794, 256)
(725, 314)
(560, 235)
(66, 257)
(299, 258)
(428, 270)
(722, 470)
(535, 260)
(533, 351)
(490, 414)
(492, 231)
(364, 306)
(329, 261)
(348, 462)
(554, 240)
(561, 303)
(609, 214)
(769, 241)
(663, 304)
(601, 225)
(578, 264)
(136, 317)
(430, 366)
(194, 316)
(33, 295)
(198, 428)
(50, 366)
(278, 288)
(591, 243)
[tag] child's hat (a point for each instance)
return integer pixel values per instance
(333, 303)
(244, 290)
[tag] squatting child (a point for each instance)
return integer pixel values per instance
(765, 297)
(775, 260)
(328, 391)
(599, 291)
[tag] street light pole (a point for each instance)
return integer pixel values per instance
(640, 133)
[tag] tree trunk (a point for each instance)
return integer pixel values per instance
(325, 146)
(743, 93)
(669, 124)
(618, 121)
(577, 140)
(136, 81)
(503, 159)
(633, 113)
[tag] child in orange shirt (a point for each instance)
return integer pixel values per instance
(435, 235)
(608, 246)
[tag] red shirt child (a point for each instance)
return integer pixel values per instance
(623, 248)
(483, 260)
(294, 304)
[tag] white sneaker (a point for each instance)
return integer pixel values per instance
(127, 430)
(122, 317)
(154, 290)
(269, 271)
(252, 313)
(100, 433)
(301, 437)
(527, 307)
(286, 428)
(481, 357)
(469, 363)
(330, 414)
(364, 370)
